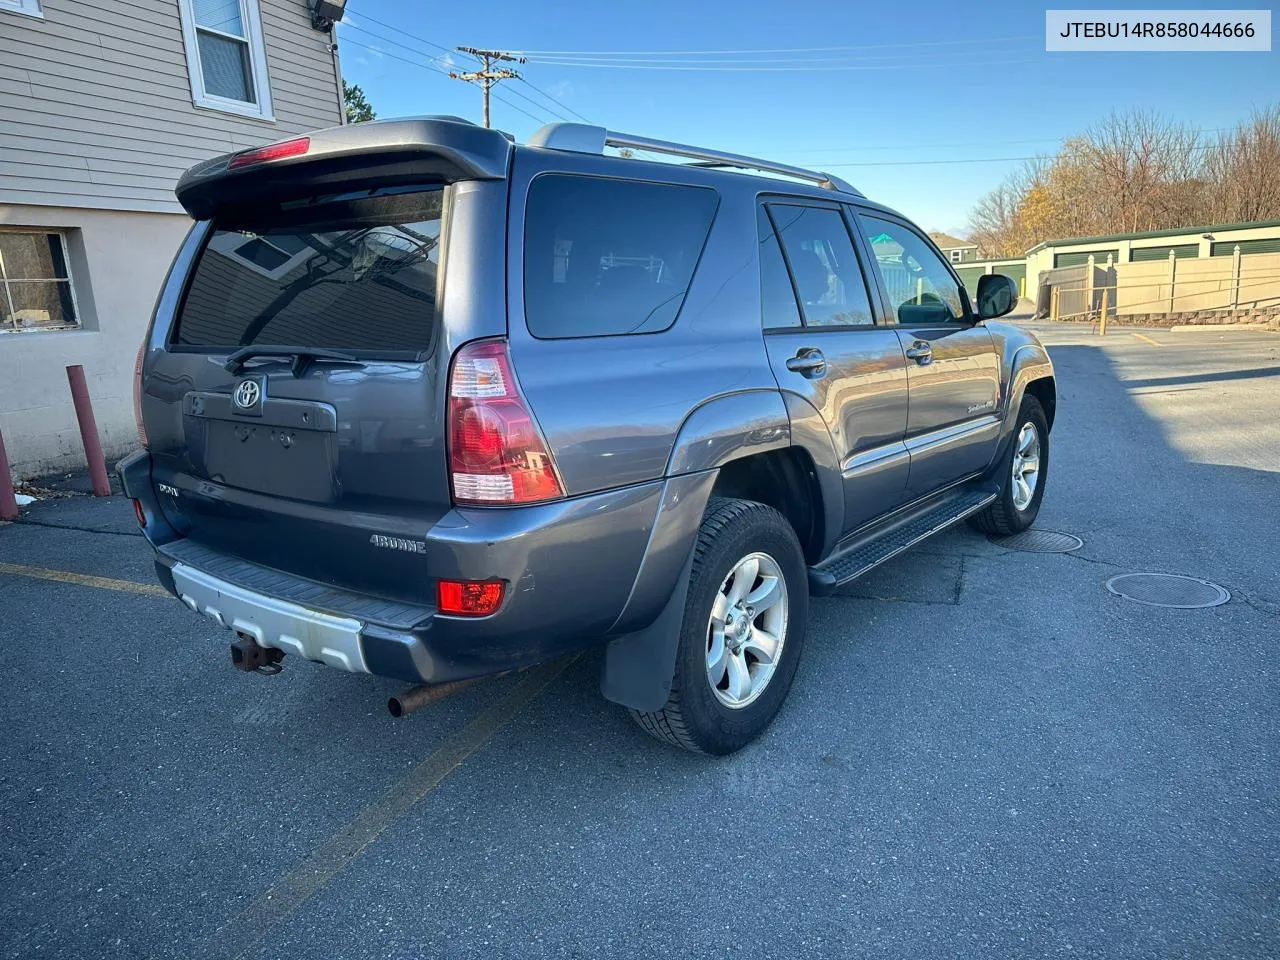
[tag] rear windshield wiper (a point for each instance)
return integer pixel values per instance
(302, 356)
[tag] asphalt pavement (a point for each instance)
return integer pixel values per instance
(985, 753)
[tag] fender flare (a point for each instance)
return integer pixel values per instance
(1030, 362)
(640, 661)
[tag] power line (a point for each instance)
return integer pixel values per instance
(397, 43)
(912, 64)
(705, 53)
(956, 56)
(917, 163)
(488, 74)
(403, 32)
(447, 50)
(445, 73)
(526, 82)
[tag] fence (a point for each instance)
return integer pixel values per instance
(1176, 286)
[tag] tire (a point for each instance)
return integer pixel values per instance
(1004, 516)
(697, 716)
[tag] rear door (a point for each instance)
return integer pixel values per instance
(321, 452)
(824, 347)
(953, 370)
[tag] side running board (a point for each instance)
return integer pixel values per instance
(897, 534)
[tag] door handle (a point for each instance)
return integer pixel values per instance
(808, 362)
(921, 352)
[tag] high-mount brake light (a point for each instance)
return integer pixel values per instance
(497, 454)
(137, 394)
(272, 151)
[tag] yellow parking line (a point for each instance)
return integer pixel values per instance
(83, 579)
(1154, 343)
(272, 907)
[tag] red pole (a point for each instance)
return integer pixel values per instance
(89, 431)
(8, 503)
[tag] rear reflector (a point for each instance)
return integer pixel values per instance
(496, 452)
(466, 598)
(139, 512)
(272, 151)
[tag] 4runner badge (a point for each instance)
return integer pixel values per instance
(398, 543)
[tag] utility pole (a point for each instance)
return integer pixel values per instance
(488, 76)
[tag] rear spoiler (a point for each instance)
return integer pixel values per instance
(415, 150)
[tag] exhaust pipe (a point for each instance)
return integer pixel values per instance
(251, 657)
(418, 697)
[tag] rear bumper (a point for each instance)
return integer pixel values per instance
(577, 571)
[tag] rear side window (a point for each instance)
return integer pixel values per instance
(348, 274)
(777, 298)
(607, 257)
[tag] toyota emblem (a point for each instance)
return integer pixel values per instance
(247, 394)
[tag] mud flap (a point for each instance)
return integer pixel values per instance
(638, 667)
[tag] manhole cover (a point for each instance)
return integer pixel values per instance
(1168, 590)
(1039, 541)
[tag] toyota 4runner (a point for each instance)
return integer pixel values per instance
(420, 402)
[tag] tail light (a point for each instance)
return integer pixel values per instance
(469, 598)
(496, 452)
(272, 151)
(137, 393)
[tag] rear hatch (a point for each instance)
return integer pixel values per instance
(295, 403)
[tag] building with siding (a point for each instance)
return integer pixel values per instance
(1187, 243)
(103, 104)
(955, 249)
(1147, 246)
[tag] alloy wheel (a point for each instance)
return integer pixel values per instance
(747, 629)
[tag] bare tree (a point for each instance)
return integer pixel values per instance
(1243, 171)
(1135, 171)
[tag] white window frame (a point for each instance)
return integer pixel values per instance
(6, 283)
(29, 7)
(252, 20)
(956, 254)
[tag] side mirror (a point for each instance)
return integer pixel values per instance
(997, 295)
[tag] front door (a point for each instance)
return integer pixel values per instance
(953, 371)
(824, 348)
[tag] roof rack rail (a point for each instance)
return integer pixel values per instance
(585, 138)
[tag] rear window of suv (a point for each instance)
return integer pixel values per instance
(607, 257)
(351, 273)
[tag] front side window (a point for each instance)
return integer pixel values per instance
(35, 284)
(823, 265)
(913, 275)
(225, 56)
(357, 275)
(610, 257)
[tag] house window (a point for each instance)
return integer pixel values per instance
(226, 57)
(957, 256)
(35, 284)
(29, 7)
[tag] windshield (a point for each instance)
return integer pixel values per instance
(356, 274)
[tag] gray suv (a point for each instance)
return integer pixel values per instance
(421, 402)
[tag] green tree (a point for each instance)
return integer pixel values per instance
(358, 107)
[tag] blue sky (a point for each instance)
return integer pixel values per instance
(898, 87)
